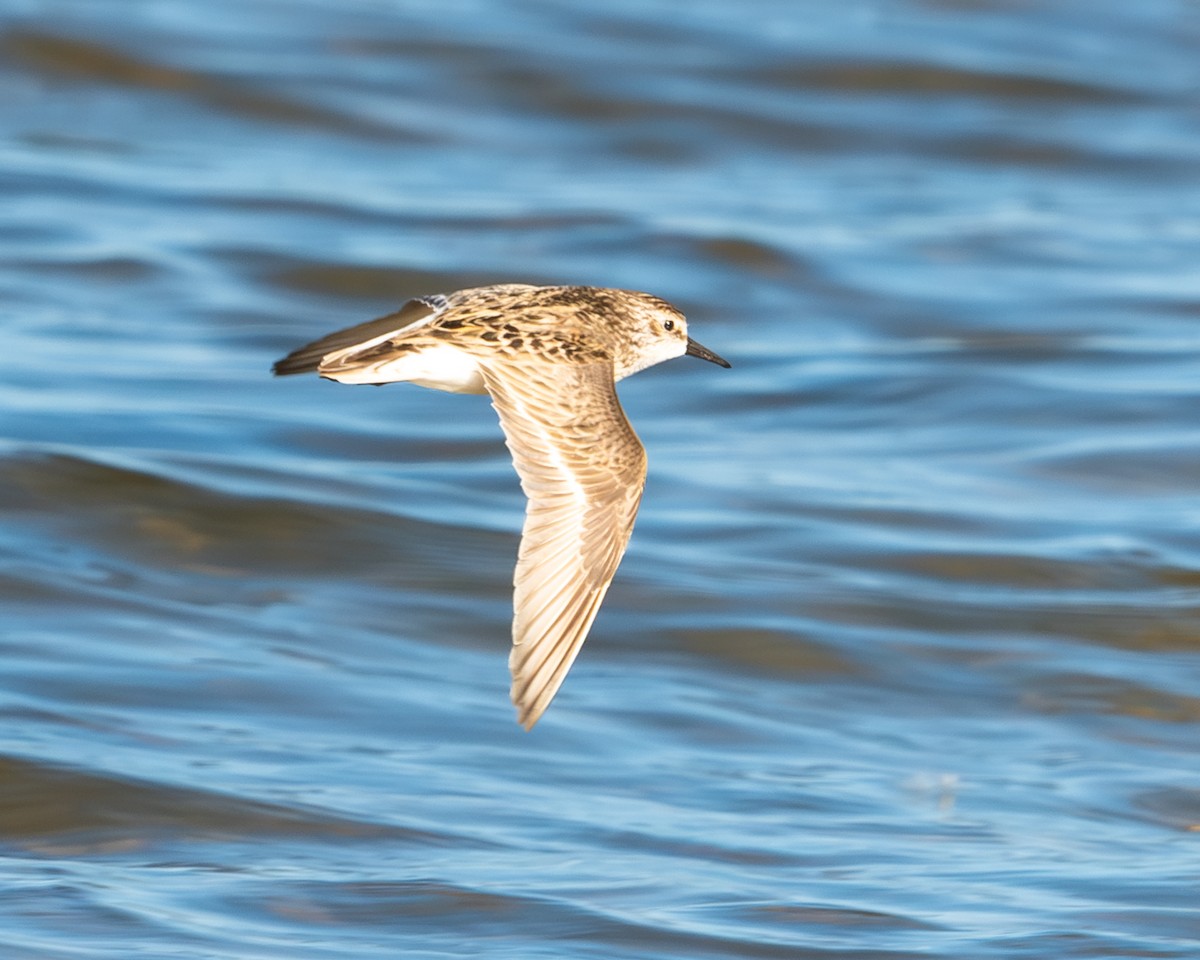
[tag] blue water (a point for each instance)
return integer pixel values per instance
(904, 659)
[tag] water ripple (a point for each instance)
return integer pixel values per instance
(902, 660)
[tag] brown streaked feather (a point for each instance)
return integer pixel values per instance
(583, 469)
(307, 358)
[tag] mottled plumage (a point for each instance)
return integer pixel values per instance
(550, 358)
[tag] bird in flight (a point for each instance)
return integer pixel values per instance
(550, 358)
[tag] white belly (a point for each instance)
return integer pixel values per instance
(438, 367)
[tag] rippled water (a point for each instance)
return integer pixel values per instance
(904, 660)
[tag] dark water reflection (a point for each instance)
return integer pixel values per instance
(903, 660)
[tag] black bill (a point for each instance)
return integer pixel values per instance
(695, 349)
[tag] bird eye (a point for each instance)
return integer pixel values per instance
(668, 324)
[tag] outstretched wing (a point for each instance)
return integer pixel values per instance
(583, 469)
(306, 359)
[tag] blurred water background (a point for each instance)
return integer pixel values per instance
(904, 660)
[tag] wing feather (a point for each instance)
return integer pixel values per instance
(583, 469)
(307, 358)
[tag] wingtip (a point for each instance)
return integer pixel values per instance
(528, 714)
(295, 363)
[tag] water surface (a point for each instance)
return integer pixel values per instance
(903, 660)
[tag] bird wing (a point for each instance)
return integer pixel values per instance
(583, 469)
(307, 358)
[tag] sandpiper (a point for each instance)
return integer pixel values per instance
(550, 358)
